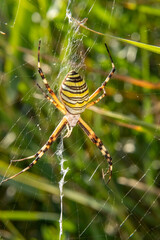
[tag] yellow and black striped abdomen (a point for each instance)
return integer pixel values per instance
(74, 93)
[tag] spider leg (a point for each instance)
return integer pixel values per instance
(69, 131)
(41, 152)
(97, 100)
(22, 159)
(103, 84)
(50, 99)
(58, 104)
(99, 144)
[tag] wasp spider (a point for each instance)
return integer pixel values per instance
(75, 99)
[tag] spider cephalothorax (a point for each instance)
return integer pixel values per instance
(75, 99)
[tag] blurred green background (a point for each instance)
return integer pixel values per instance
(127, 120)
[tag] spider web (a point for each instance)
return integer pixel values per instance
(128, 207)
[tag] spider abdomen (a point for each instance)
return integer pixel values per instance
(74, 93)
